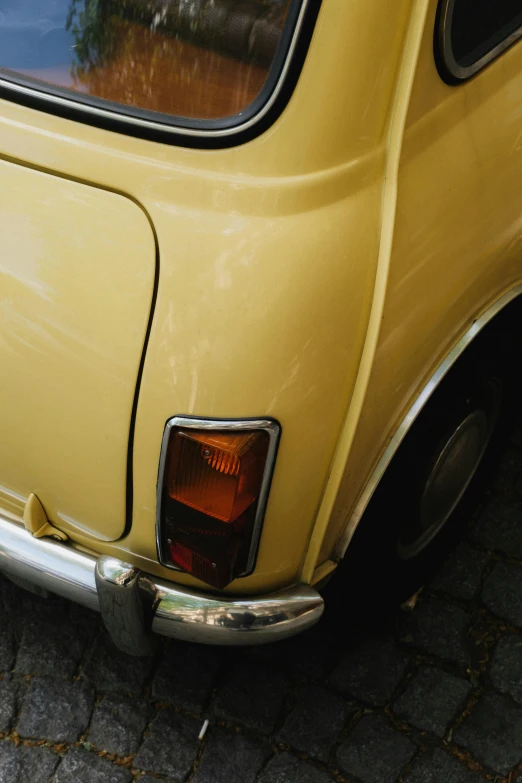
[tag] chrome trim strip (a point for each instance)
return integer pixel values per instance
(181, 613)
(127, 602)
(274, 432)
(59, 568)
(237, 621)
(412, 414)
(174, 129)
(461, 72)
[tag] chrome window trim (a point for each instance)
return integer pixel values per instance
(270, 426)
(417, 406)
(461, 72)
(157, 125)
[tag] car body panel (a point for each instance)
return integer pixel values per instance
(291, 216)
(269, 254)
(69, 348)
(457, 243)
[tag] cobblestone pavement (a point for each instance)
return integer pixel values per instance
(433, 697)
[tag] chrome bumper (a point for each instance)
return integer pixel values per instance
(133, 604)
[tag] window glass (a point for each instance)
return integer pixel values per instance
(200, 59)
(478, 26)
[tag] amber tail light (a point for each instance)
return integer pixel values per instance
(212, 492)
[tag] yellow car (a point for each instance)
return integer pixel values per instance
(260, 277)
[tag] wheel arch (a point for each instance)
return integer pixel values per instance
(483, 323)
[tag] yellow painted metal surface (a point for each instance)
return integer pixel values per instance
(270, 261)
(267, 262)
(36, 522)
(457, 244)
(394, 142)
(76, 276)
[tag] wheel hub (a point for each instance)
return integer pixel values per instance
(452, 470)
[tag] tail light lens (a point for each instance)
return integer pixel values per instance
(212, 491)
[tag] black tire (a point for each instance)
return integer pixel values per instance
(379, 571)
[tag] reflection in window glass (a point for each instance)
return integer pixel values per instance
(204, 59)
(478, 26)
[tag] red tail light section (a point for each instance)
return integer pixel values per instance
(213, 486)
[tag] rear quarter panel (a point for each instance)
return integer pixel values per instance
(267, 256)
(457, 244)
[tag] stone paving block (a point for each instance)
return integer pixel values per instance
(493, 733)
(21, 606)
(49, 648)
(253, 695)
(86, 619)
(55, 710)
(186, 674)
(439, 629)
(113, 671)
(171, 747)
(231, 758)
(505, 668)
(118, 723)
(432, 699)
(516, 433)
(7, 645)
(370, 670)
(315, 721)
(81, 766)
(311, 654)
(498, 527)
(507, 474)
(154, 779)
(9, 690)
(26, 764)
(502, 592)
(285, 768)
(375, 751)
(440, 767)
(10, 765)
(461, 573)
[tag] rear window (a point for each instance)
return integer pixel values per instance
(473, 32)
(199, 61)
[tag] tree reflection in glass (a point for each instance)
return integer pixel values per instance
(202, 59)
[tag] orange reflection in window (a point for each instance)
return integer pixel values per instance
(198, 71)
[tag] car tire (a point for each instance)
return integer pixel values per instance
(435, 481)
